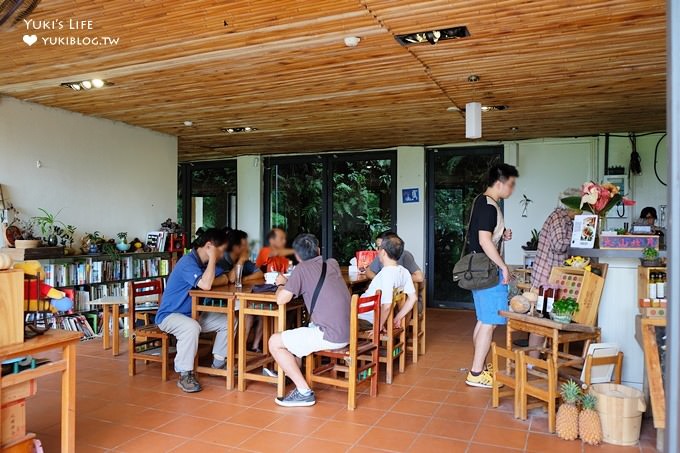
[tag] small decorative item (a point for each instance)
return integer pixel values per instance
(524, 202)
(47, 223)
(650, 257)
(137, 245)
(532, 244)
(578, 262)
(589, 423)
(563, 310)
(566, 423)
(122, 243)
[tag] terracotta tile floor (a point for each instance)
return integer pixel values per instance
(428, 409)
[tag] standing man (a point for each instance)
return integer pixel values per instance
(487, 230)
(329, 327)
(274, 257)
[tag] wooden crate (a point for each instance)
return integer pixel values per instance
(11, 307)
(582, 285)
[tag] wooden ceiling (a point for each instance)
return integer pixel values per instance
(565, 68)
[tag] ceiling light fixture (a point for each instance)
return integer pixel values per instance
(473, 120)
(86, 84)
(485, 108)
(433, 36)
(188, 123)
(236, 130)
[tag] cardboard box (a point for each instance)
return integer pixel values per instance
(19, 392)
(13, 422)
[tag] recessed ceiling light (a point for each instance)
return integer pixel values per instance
(235, 130)
(188, 123)
(514, 128)
(433, 36)
(86, 84)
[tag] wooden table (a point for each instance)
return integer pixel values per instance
(356, 282)
(52, 339)
(111, 306)
(265, 306)
(559, 334)
(224, 301)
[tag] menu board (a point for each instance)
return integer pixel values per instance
(584, 232)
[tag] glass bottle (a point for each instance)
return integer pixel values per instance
(651, 291)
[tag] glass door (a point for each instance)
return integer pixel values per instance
(343, 199)
(295, 192)
(211, 200)
(456, 176)
(363, 202)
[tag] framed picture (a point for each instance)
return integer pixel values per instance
(155, 240)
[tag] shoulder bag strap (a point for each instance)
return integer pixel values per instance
(317, 291)
(467, 229)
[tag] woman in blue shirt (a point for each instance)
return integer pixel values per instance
(197, 269)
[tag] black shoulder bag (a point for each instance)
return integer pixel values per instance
(475, 270)
(322, 278)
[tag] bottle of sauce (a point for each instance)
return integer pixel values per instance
(651, 292)
(661, 285)
(549, 300)
(540, 301)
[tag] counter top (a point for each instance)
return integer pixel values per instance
(611, 253)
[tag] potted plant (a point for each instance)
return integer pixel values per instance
(47, 223)
(26, 239)
(563, 310)
(532, 244)
(93, 242)
(650, 257)
(122, 243)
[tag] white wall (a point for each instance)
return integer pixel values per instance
(249, 177)
(411, 218)
(104, 175)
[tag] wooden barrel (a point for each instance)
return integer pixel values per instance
(620, 408)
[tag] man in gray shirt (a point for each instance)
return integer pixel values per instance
(406, 261)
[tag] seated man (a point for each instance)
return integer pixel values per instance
(406, 260)
(238, 253)
(329, 313)
(392, 276)
(274, 257)
(197, 269)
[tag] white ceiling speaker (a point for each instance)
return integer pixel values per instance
(473, 120)
(352, 41)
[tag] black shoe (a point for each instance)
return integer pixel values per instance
(297, 399)
(188, 383)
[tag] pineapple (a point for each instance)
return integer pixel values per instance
(567, 415)
(589, 426)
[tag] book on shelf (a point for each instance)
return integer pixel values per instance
(72, 322)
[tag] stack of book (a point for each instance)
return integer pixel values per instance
(89, 271)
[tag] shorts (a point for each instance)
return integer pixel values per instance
(304, 340)
(489, 301)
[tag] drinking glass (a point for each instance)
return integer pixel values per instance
(238, 269)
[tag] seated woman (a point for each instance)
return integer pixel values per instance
(197, 269)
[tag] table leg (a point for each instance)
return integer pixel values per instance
(555, 346)
(105, 327)
(115, 329)
(230, 345)
(266, 333)
(281, 326)
(68, 401)
(242, 346)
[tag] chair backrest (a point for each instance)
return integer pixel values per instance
(540, 368)
(497, 352)
(616, 360)
(142, 289)
(360, 305)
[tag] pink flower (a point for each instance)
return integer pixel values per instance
(628, 202)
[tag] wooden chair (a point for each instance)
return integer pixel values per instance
(507, 376)
(616, 360)
(393, 339)
(416, 328)
(149, 336)
(358, 362)
(539, 382)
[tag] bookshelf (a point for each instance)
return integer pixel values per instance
(93, 276)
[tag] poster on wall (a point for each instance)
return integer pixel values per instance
(584, 232)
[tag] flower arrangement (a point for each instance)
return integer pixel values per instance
(597, 198)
